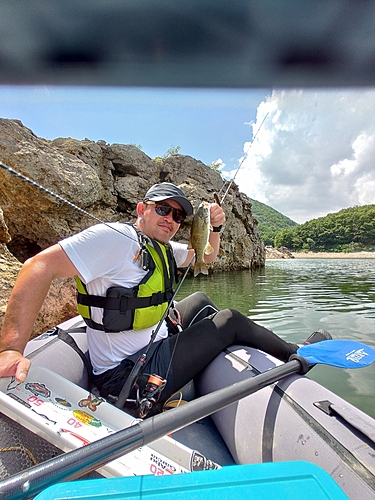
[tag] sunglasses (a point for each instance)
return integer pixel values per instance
(163, 209)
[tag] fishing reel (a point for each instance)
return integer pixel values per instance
(150, 394)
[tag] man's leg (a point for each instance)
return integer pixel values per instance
(194, 308)
(194, 348)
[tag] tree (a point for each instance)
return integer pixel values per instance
(270, 221)
(338, 232)
(284, 239)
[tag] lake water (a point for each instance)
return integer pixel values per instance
(294, 297)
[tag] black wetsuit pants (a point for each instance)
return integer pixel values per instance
(206, 332)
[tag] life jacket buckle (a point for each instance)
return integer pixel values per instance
(157, 298)
(124, 305)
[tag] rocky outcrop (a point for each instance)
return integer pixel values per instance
(106, 181)
(60, 303)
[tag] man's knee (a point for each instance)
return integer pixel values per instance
(195, 307)
(229, 317)
(197, 301)
(200, 297)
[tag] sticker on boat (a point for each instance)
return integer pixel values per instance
(91, 402)
(86, 419)
(38, 389)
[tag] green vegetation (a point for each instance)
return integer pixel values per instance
(172, 150)
(216, 165)
(349, 230)
(270, 221)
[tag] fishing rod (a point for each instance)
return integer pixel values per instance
(243, 159)
(134, 374)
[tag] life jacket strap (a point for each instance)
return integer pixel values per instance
(123, 304)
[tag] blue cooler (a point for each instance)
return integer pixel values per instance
(273, 481)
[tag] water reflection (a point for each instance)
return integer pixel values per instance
(295, 297)
(231, 289)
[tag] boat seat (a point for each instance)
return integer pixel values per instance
(42, 351)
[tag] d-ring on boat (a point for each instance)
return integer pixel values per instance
(263, 412)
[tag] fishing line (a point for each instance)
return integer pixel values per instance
(243, 159)
(61, 199)
(178, 325)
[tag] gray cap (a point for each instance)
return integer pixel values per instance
(167, 191)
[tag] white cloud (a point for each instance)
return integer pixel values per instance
(365, 186)
(314, 154)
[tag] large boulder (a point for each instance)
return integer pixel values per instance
(83, 182)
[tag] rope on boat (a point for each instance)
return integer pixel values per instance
(22, 449)
(174, 403)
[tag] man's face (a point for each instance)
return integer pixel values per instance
(161, 228)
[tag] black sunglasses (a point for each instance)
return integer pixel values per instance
(163, 209)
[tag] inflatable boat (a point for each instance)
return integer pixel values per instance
(54, 427)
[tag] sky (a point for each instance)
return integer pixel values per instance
(305, 153)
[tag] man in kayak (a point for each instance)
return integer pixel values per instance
(125, 273)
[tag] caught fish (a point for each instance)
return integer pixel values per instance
(200, 231)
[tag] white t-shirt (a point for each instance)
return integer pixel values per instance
(104, 256)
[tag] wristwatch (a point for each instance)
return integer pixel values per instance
(217, 229)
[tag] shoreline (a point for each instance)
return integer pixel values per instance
(333, 255)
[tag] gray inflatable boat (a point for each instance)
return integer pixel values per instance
(293, 419)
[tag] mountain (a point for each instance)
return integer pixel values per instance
(349, 230)
(270, 221)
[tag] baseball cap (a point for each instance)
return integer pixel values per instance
(167, 191)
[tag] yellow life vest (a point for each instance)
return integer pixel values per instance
(141, 306)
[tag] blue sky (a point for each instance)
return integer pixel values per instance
(314, 154)
(206, 124)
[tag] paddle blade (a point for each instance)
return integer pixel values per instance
(339, 353)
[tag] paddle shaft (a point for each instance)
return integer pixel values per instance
(76, 463)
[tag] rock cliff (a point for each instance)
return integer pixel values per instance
(106, 181)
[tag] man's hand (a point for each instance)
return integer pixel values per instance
(13, 364)
(217, 215)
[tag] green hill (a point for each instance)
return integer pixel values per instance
(270, 221)
(349, 230)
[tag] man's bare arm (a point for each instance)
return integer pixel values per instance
(29, 292)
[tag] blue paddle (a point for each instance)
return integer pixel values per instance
(339, 353)
(72, 465)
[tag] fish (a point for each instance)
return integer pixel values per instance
(200, 231)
